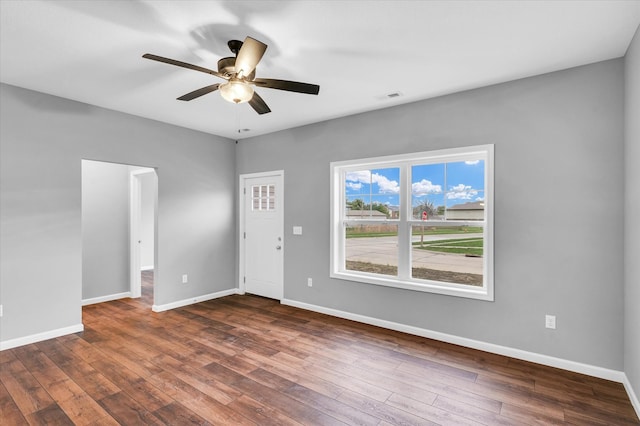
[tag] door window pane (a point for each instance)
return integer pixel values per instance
(263, 197)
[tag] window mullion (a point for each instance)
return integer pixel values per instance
(404, 230)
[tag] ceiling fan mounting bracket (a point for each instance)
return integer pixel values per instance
(234, 46)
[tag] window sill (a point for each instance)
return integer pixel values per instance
(457, 290)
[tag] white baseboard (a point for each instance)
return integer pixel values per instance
(591, 370)
(107, 298)
(146, 268)
(632, 395)
(192, 300)
(52, 334)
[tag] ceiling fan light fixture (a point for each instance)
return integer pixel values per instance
(236, 91)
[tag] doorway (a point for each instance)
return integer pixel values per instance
(142, 230)
(107, 229)
(261, 234)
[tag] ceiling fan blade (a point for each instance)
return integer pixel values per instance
(183, 64)
(258, 104)
(249, 55)
(291, 86)
(197, 93)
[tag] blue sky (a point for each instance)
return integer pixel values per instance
(464, 183)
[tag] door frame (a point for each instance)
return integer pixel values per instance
(241, 220)
(135, 208)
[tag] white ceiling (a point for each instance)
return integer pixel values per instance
(357, 51)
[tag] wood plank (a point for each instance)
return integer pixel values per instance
(429, 412)
(176, 414)
(126, 410)
(327, 405)
(146, 394)
(10, 412)
(50, 415)
(198, 402)
(277, 400)
(471, 412)
(25, 390)
(259, 413)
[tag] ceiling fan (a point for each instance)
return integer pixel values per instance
(240, 72)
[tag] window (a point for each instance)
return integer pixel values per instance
(421, 221)
(263, 197)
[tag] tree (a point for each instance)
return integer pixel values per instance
(425, 206)
(382, 208)
(356, 204)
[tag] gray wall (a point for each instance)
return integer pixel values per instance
(42, 142)
(558, 209)
(105, 229)
(632, 214)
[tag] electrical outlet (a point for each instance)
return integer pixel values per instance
(185, 279)
(309, 282)
(1, 311)
(550, 321)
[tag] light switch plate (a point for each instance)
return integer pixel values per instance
(297, 230)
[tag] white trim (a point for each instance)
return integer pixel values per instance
(241, 226)
(146, 268)
(135, 285)
(193, 300)
(591, 370)
(107, 298)
(632, 395)
(34, 338)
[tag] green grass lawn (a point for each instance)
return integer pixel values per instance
(471, 246)
(417, 230)
(356, 234)
(453, 230)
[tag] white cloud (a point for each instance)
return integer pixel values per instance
(425, 187)
(462, 195)
(385, 185)
(462, 192)
(460, 188)
(354, 185)
(362, 176)
(471, 163)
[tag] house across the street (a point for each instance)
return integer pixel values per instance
(473, 210)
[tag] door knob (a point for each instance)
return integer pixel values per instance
(278, 247)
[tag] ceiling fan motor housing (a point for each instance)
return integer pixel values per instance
(227, 66)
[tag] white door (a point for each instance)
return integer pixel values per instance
(262, 239)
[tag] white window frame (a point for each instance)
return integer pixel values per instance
(338, 171)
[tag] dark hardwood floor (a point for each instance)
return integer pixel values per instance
(244, 360)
